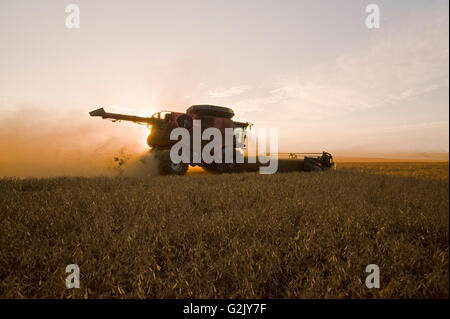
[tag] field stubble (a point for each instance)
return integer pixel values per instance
(289, 235)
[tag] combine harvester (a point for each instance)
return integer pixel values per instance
(162, 123)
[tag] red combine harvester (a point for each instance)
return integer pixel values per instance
(162, 123)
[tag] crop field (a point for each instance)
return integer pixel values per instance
(287, 235)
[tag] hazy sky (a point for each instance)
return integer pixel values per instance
(311, 68)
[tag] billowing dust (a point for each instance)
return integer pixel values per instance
(37, 143)
(140, 165)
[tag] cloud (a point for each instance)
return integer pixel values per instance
(401, 62)
(227, 92)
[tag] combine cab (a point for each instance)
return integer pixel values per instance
(162, 123)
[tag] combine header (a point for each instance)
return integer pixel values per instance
(211, 116)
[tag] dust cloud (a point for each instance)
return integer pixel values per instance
(36, 142)
(137, 165)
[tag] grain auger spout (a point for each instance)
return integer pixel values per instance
(122, 117)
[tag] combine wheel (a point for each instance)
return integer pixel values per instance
(167, 167)
(225, 167)
(230, 167)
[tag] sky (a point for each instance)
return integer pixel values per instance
(312, 69)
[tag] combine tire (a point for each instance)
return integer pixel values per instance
(230, 167)
(226, 167)
(167, 167)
